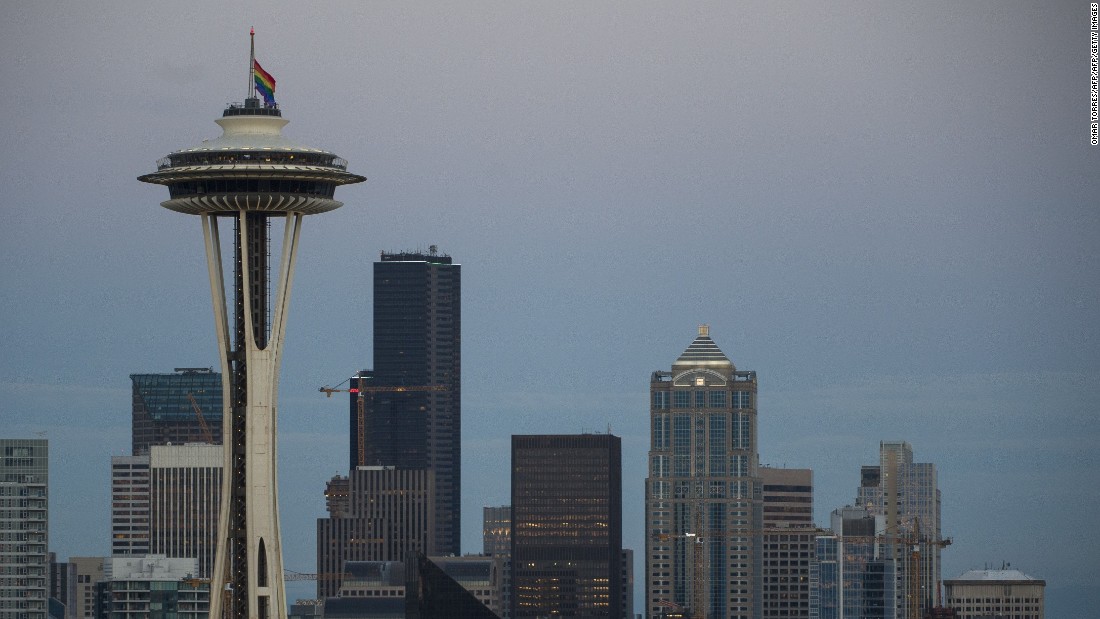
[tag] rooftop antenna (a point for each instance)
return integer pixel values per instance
(251, 63)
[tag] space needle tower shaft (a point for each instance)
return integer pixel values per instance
(250, 176)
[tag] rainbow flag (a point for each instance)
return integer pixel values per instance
(265, 84)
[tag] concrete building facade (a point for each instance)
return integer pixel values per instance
(130, 505)
(185, 483)
(984, 594)
(391, 517)
(168, 503)
(789, 535)
(89, 573)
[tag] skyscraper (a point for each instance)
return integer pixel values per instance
(789, 535)
(164, 408)
(24, 511)
(566, 526)
(906, 493)
(412, 417)
(703, 493)
(250, 176)
(849, 576)
(129, 505)
(167, 503)
(387, 516)
(185, 496)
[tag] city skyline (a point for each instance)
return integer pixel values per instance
(889, 213)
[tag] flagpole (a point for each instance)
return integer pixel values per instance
(252, 63)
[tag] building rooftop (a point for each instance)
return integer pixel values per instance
(995, 575)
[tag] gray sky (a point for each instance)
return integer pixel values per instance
(887, 211)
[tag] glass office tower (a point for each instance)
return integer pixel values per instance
(164, 413)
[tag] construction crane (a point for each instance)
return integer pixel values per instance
(202, 421)
(361, 406)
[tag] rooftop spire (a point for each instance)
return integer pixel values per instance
(251, 63)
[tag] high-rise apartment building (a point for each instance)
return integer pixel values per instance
(789, 535)
(164, 408)
(566, 526)
(389, 517)
(703, 494)
(153, 587)
(24, 512)
(412, 403)
(907, 495)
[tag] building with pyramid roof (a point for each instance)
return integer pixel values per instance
(704, 506)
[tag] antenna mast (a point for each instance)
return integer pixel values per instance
(251, 63)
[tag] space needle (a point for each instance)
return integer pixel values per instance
(250, 176)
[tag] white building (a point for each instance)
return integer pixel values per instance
(996, 593)
(154, 587)
(24, 539)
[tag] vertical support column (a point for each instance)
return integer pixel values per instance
(248, 571)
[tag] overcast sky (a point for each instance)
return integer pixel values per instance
(889, 211)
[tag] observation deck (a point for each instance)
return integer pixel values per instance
(251, 167)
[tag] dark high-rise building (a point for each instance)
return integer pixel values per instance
(703, 496)
(163, 412)
(432, 591)
(411, 408)
(566, 526)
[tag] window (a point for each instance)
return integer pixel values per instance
(717, 399)
(660, 432)
(681, 399)
(717, 435)
(660, 400)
